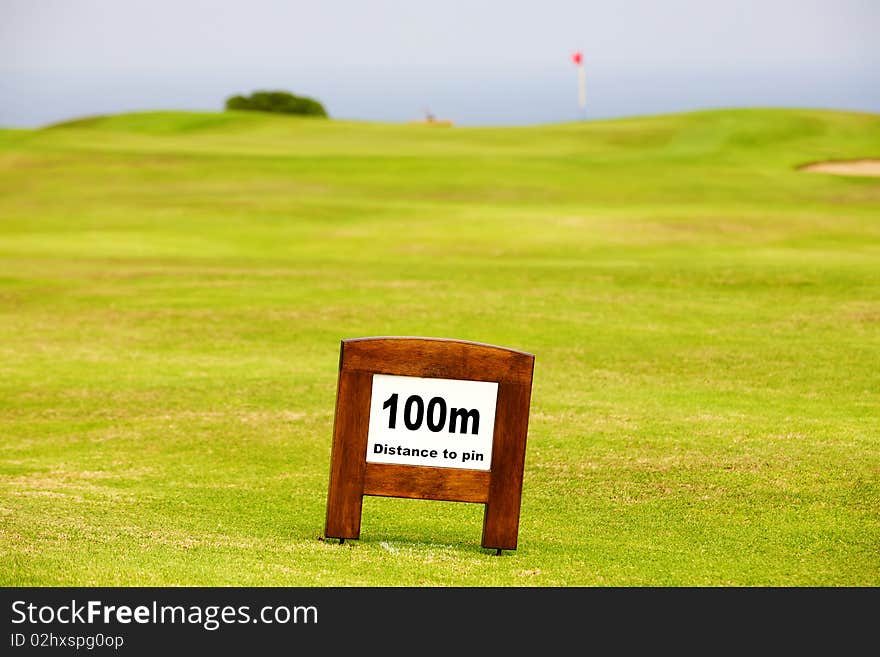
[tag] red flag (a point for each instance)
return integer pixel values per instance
(577, 57)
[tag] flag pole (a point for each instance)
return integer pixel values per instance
(582, 87)
(578, 59)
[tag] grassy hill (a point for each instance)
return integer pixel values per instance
(705, 318)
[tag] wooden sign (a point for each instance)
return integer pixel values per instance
(432, 419)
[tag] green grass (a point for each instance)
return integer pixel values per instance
(705, 320)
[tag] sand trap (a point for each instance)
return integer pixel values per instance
(849, 168)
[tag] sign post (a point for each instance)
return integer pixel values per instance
(434, 419)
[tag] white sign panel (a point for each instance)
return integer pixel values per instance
(443, 423)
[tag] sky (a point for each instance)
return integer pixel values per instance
(490, 62)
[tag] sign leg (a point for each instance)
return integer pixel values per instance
(346, 491)
(501, 519)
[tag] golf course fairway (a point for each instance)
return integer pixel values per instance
(705, 319)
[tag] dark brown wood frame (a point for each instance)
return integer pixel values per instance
(499, 488)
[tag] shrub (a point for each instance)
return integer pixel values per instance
(277, 101)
